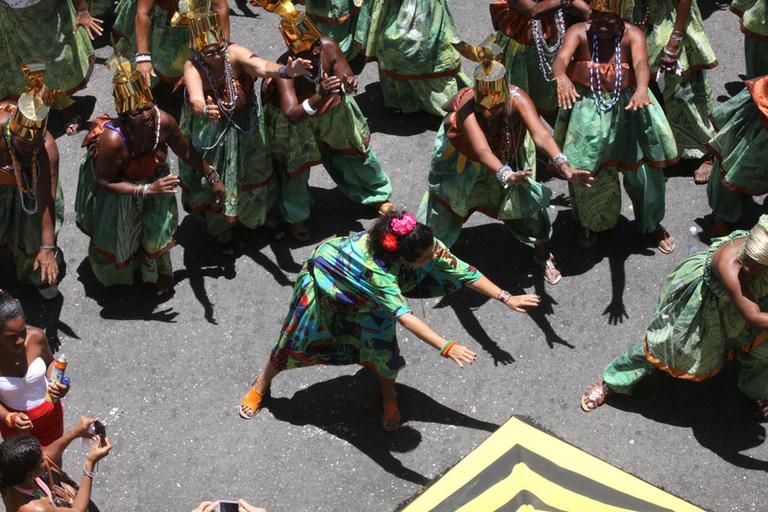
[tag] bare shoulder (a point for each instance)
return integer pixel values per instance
(36, 337)
(37, 506)
(330, 44)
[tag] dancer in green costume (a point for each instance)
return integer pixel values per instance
(679, 48)
(530, 34)
(753, 15)
(125, 192)
(419, 70)
(479, 142)
(31, 199)
(741, 152)
(222, 117)
(314, 119)
(608, 123)
(705, 316)
(159, 49)
(42, 31)
(336, 19)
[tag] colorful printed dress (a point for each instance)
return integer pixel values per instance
(520, 55)
(740, 149)
(636, 144)
(345, 304)
(20, 227)
(168, 45)
(459, 184)
(337, 137)
(336, 19)
(754, 25)
(695, 330)
(127, 233)
(688, 99)
(43, 31)
(419, 70)
(235, 146)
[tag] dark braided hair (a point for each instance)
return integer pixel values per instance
(18, 456)
(410, 247)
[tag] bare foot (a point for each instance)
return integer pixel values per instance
(665, 242)
(702, 174)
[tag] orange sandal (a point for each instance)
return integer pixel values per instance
(251, 400)
(390, 416)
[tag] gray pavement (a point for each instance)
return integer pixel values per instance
(173, 371)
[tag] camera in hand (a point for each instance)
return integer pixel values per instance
(97, 428)
(228, 506)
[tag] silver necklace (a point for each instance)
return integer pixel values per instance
(545, 52)
(595, 84)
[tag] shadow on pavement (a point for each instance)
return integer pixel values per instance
(721, 418)
(382, 120)
(709, 7)
(122, 302)
(345, 407)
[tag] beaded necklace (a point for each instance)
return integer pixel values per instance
(27, 191)
(226, 107)
(318, 76)
(545, 52)
(595, 83)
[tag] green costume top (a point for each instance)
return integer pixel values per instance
(336, 19)
(741, 143)
(754, 18)
(168, 45)
(696, 52)
(44, 31)
(696, 327)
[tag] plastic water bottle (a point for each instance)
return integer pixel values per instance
(694, 244)
(57, 374)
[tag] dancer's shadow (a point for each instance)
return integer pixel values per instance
(732, 88)
(246, 10)
(59, 119)
(39, 312)
(332, 215)
(122, 302)
(709, 7)
(721, 417)
(381, 120)
(346, 408)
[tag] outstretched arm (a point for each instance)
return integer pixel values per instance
(639, 49)
(262, 68)
(544, 140)
(517, 303)
(532, 8)
(45, 260)
(566, 92)
(459, 353)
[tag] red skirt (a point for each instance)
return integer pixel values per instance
(47, 423)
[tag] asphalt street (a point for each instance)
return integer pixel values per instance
(168, 374)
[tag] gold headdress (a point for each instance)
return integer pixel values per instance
(621, 8)
(30, 115)
(298, 31)
(491, 85)
(756, 246)
(204, 24)
(129, 88)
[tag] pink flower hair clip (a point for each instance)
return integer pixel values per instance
(404, 226)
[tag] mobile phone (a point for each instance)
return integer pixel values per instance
(228, 506)
(100, 430)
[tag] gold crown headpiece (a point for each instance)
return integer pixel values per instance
(491, 85)
(129, 88)
(298, 31)
(621, 8)
(30, 115)
(204, 24)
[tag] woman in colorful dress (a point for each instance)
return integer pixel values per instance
(704, 317)
(222, 117)
(350, 294)
(609, 123)
(28, 403)
(411, 40)
(679, 49)
(753, 16)
(530, 33)
(740, 149)
(159, 48)
(31, 198)
(125, 193)
(53, 33)
(481, 163)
